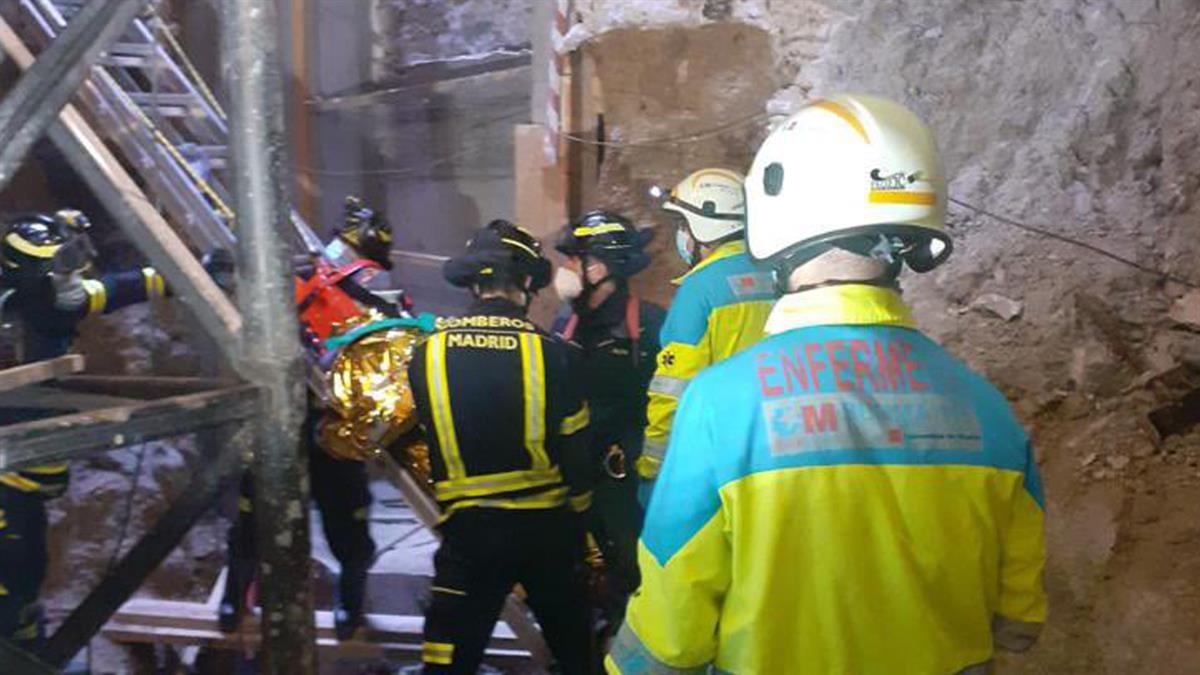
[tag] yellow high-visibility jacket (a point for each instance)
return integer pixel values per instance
(719, 310)
(843, 497)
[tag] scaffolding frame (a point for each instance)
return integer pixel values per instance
(264, 413)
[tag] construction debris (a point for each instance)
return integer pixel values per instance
(998, 305)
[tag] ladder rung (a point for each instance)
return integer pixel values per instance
(170, 105)
(131, 49)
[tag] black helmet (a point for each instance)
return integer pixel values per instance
(367, 232)
(611, 238)
(501, 251)
(30, 243)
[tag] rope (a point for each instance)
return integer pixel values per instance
(702, 134)
(1041, 232)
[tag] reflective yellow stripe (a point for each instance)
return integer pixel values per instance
(899, 197)
(844, 113)
(603, 228)
(437, 653)
(97, 295)
(580, 503)
(495, 483)
(3, 588)
(545, 500)
(534, 370)
(523, 247)
(16, 241)
(576, 422)
(439, 396)
(448, 591)
(155, 286)
(46, 470)
(19, 482)
(245, 505)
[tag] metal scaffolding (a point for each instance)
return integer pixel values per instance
(263, 415)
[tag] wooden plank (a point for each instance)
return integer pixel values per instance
(134, 212)
(61, 438)
(145, 620)
(32, 373)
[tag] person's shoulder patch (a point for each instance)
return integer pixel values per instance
(751, 284)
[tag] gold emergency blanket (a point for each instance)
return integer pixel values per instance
(370, 400)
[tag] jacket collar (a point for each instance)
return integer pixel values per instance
(496, 307)
(842, 304)
(726, 250)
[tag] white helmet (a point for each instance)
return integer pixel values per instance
(712, 203)
(853, 171)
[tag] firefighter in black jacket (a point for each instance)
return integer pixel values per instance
(361, 248)
(46, 282)
(618, 337)
(506, 430)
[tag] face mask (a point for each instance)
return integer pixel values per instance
(567, 284)
(683, 244)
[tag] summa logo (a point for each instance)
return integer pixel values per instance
(893, 181)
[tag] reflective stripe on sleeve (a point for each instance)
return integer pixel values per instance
(576, 422)
(437, 653)
(668, 386)
(97, 294)
(628, 656)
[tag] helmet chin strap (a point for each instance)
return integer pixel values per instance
(582, 304)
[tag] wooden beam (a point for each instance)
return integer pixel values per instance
(58, 439)
(142, 387)
(218, 469)
(47, 397)
(134, 212)
(40, 371)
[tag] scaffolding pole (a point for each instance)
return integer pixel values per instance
(34, 103)
(270, 348)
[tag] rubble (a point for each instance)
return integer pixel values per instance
(998, 305)
(1186, 310)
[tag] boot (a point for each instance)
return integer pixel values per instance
(348, 606)
(233, 602)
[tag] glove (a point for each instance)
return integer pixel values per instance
(221, 266)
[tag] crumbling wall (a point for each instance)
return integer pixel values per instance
(419, 31)
(1082, 118)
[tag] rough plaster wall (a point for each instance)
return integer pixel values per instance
(1080, 117)
(416, 31)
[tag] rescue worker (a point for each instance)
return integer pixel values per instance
(844, 496)
(720, 307)
(618, 336)
(47, 281)
(355, 261)
(507, 435)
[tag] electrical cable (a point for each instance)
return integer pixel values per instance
(123, 529)
(1167, 276)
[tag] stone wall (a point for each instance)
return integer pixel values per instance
(1082, 118)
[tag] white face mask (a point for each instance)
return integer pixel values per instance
(567, 284)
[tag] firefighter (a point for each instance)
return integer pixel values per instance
(720, 307)
(354, 271)
(618, 336)
(48, 283)
(844, 496)
(507, 434)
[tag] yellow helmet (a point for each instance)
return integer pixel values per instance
(852, 171)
